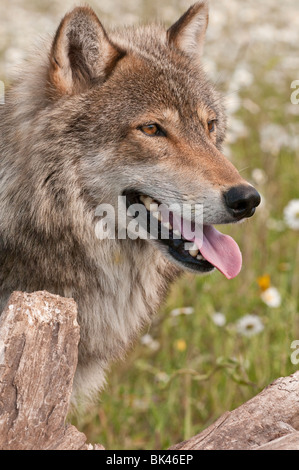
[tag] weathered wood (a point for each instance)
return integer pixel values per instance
(269, 421)
(39, 337)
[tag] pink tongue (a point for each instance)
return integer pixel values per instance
(221, 251)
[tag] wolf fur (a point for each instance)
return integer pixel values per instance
(70, 141)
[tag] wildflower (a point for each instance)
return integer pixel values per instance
(242, 77)
(291, 214)
(264, 282)
(259, 176)
(273, 138)
(233, 104)
(140, 404)
(182, 311)
(251, 106)
(181, 345)
(249, 325)
(219, 318)
(236, 130)
(162, 377)
(271, 297)
(150, 342)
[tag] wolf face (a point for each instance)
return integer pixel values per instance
(98, 116)
(156, 125)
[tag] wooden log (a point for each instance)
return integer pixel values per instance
(39, 337)
(269, 421)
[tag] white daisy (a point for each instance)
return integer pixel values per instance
(259, 176)
(242, 77)
(271, 297)
(249, 325)
(273, 138)
(219, 318)
(150, 342)
(291, 214)
(182, 311)
(162, 377)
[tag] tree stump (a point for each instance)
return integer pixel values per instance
(39, 337)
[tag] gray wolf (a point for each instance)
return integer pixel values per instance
(94, 116)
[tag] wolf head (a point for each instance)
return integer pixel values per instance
(147, 124)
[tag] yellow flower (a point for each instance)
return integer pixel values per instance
(264, 282)
(181, 345)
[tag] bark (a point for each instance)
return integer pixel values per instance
(269, 421)
(39, 337)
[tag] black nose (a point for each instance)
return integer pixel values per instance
(242, 201)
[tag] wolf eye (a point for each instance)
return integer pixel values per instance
(211, 125)
(152, 130)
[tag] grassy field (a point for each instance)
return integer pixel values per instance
(191, 365)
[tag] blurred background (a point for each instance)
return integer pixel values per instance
(215, 343)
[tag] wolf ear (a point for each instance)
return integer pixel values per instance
(81, 53)
(188, 33)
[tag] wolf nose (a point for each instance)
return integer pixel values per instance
(242, 201)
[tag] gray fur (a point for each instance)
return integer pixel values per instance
(69, 142)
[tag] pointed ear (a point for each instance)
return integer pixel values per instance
(81, 53)
(188, 33)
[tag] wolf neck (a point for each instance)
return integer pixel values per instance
(128, 284)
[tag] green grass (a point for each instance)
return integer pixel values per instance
(157, 398)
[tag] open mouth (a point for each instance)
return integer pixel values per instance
(212, 250)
